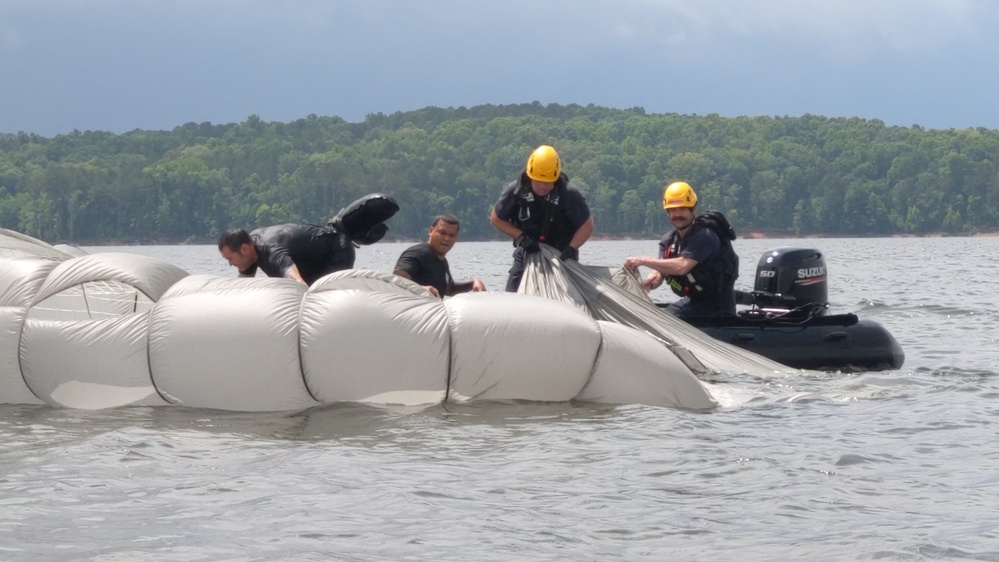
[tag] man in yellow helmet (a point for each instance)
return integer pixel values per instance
(542, 206)
(696, 258)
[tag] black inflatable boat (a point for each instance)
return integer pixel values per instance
(787, 321)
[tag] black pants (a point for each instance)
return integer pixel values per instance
(516, 271)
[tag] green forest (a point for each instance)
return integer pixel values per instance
(800, 176)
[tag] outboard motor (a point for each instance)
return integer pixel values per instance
(789, 282)
(787, 320)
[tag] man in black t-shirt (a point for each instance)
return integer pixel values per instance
(303, 252)
(425, 263)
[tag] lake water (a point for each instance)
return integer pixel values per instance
(898, 465)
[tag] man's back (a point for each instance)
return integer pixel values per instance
(315, 250)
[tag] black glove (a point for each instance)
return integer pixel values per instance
(528, 243)
(569, 253)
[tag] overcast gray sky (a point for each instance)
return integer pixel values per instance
(118, 65)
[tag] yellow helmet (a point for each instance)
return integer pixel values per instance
(544, 164)
(679, 194)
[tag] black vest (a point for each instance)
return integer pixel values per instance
(712, 276)
(543, 217)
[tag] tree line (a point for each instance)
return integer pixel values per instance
(807, 175)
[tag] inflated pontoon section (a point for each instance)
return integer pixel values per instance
(112, 329)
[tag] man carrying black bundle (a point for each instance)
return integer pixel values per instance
(306, 252)
(303, 252)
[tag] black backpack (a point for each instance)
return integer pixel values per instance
(717, 222)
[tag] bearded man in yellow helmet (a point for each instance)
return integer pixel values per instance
(697, 263)
(542, 206)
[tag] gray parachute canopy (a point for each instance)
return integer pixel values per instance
(115, 329)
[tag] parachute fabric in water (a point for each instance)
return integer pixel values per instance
(109, 330)
(20, 279)
(506, 346)
(83, 339)
(632, 363)
(374, 337)
(17, 245)
(617, 296)
(229, 344)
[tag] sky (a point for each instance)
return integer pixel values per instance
(120, 65)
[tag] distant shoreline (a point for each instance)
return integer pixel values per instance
(750, 235)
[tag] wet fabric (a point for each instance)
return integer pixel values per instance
(615, 294)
